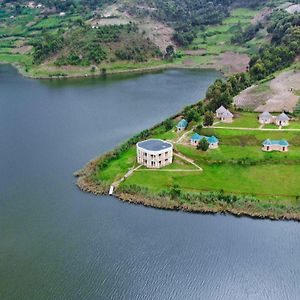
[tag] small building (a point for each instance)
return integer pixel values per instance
(62, 14)
(220, 111)
(212, 140)
(275, 145)
(224, 114)
(265, 118)
(182, 125)
(282, 120)
(154, 153)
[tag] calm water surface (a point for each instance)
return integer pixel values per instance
(59, 243)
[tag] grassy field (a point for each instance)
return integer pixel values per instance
(262, 181)
(216, 39)
(238, 167)
(244, 119)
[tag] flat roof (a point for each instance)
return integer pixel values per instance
(154, 145)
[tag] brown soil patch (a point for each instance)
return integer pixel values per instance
(276, 97)
(262, 15)
(22, 49)
(194, 52)
(231, 62)
(159, 33)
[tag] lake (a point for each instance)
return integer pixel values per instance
(57, 242)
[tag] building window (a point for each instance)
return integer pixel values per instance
(166, 160)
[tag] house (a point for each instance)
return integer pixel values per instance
(265, 118)
(182, 124)
(282, 120)
(154, 153)
(212, 140)
(224, 114)
(275, 145)
(220, 111)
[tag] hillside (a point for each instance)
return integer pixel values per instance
(76, 38)
(278, 94)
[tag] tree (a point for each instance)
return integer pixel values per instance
(198, 129)
(168, 124)
(170, 52)
(208, 118)
(203, 145)
(191, 114)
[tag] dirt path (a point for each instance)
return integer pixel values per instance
(184, 135)
(188, 160)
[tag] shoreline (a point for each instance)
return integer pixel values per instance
(142, 70)
(85, 184)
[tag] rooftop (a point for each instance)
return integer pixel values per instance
(269, 142)
(265, 114)
(210, 139)
(283, 117)
(154, 145)
(182, 123)
(221, 110)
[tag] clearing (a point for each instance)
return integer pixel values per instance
(273, 96)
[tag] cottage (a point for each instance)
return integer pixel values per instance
(265, 118)
(224, 114)
(182, 124)
(154, 153)
(220, 111)
(212, 140)
(282, 120)
(275, 145)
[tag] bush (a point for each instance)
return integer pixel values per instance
(203, 145)
(208, 118)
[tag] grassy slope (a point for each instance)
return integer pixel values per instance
(215, 40)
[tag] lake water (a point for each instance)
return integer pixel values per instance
(57, 242)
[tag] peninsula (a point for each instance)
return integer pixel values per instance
(229, 154)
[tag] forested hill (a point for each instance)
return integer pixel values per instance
(188, 15)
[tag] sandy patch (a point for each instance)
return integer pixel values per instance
(276, 97)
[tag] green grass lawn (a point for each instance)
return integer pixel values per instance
(262, 181)
(228, 154)
(117, 168)
(244, 119)
(251, 138)
(294, 124)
